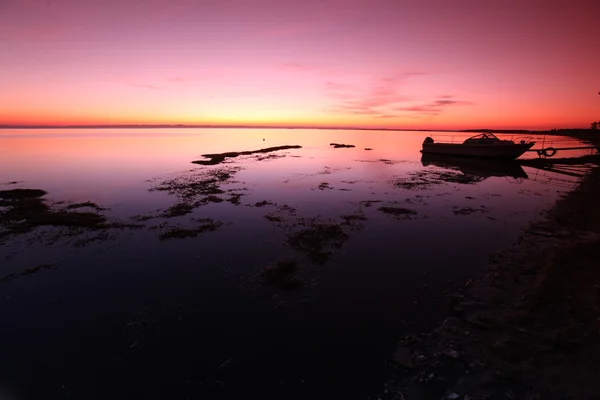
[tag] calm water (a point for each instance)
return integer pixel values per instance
(130, 313)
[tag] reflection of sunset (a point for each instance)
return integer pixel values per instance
(435, 64)
(93, 160)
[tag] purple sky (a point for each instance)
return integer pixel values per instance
(428, 64)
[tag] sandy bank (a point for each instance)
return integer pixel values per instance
(527, 329)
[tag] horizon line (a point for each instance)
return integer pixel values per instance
(157, 126)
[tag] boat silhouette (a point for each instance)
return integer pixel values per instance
(484, 145)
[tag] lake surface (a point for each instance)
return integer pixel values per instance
(281, 275)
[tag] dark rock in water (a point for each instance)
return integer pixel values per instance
(220, 157)
(340, 146)
(368, 148)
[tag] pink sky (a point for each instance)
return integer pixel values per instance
(431, 64)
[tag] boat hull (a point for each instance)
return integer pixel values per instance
(508, 151)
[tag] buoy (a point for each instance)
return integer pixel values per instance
(549, 151)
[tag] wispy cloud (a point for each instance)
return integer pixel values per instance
(434, 107)
(379, 99)
(295, 66)
(145, 86)
(385, 97)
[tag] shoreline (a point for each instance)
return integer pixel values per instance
(528, 328)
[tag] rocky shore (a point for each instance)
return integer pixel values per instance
(529, 328)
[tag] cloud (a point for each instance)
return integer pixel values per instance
(385, 97)
(145, 86)
(386, 116)
(294, 66)
(380, 98)
(434, 107)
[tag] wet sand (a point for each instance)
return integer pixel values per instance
(529, 328)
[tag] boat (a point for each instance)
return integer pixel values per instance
(476, 167)
(484, 145)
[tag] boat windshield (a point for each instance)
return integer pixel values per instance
(482, 139)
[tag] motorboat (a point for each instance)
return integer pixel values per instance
(484, 145)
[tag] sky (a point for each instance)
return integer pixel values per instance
(420, 64)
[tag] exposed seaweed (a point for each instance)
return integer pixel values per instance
(426, 179)
(353, 217)
(369, 203)
(282, 275)
(318, 241)
(264, 203)
(87, 204)
(25, 209)
(397, 211)
(29, 271)
(207, 225)
(220, 157)
(273, 218)
(468, 210)
(194, 185)
(177, 210)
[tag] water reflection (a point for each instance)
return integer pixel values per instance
(313, 256)
(477, 168)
